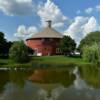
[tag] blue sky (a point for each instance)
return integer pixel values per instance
(23, 18)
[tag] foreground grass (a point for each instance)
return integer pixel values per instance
(45, 61)
(60, 59)
(11, 63)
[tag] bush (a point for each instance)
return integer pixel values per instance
(92, 53)
(19, 52)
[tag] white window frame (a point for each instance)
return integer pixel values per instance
(58, 50)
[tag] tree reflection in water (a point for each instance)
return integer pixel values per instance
(18, 88)
(29, 91)
(78, 91)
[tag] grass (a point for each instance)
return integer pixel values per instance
(11, 63)
(60, 59)
(44, 61)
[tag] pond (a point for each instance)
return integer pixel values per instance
(77, 83)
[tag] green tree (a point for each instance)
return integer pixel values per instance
(4, 45)
(67, 45)
(91, 53)
(19, 52)
(7, 47)
(90, 39)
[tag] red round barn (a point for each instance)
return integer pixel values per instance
(45, 42)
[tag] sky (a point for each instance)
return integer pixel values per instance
(20, 19)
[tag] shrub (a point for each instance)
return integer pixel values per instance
(92, 53)
(19, 52)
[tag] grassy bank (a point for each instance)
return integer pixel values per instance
(45, 62)
(60, 59)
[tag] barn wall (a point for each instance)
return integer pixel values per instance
(44, 47)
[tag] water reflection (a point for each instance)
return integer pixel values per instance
(29, 91)
(18, 87)
(78, 91)
(91, 74)
(79, 83)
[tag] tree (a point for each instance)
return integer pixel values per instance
(90, 39)
(67, 45)
(30, 51)
(19, 52)
(2, 39)
(4, 45)
(91, 53)
(7, 47)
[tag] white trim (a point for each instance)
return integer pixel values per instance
(58, 50)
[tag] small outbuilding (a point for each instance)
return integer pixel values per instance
(45, 42)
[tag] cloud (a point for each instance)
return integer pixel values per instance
(81, 27)
(98, 8)
(17, 7)
(89, 10)
(24, 33)
(21, 29)
(75, 29)
(50, 11)
(92, 9)
(91, 25)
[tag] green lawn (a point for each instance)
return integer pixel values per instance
(11, 63)
(53, 60)
(60, 59)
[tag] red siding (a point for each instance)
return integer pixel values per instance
(44, 47)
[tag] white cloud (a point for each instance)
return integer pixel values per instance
(89, 10)
(50, 11)
(81, 27)
(21, 29)
(24, 33)
(17, 7)
(92, 9)
(97, 8)
(32, 30)
(75, 29)
(91, 25)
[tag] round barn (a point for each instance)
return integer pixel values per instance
(45, 42)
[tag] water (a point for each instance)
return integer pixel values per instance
(79, 83)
